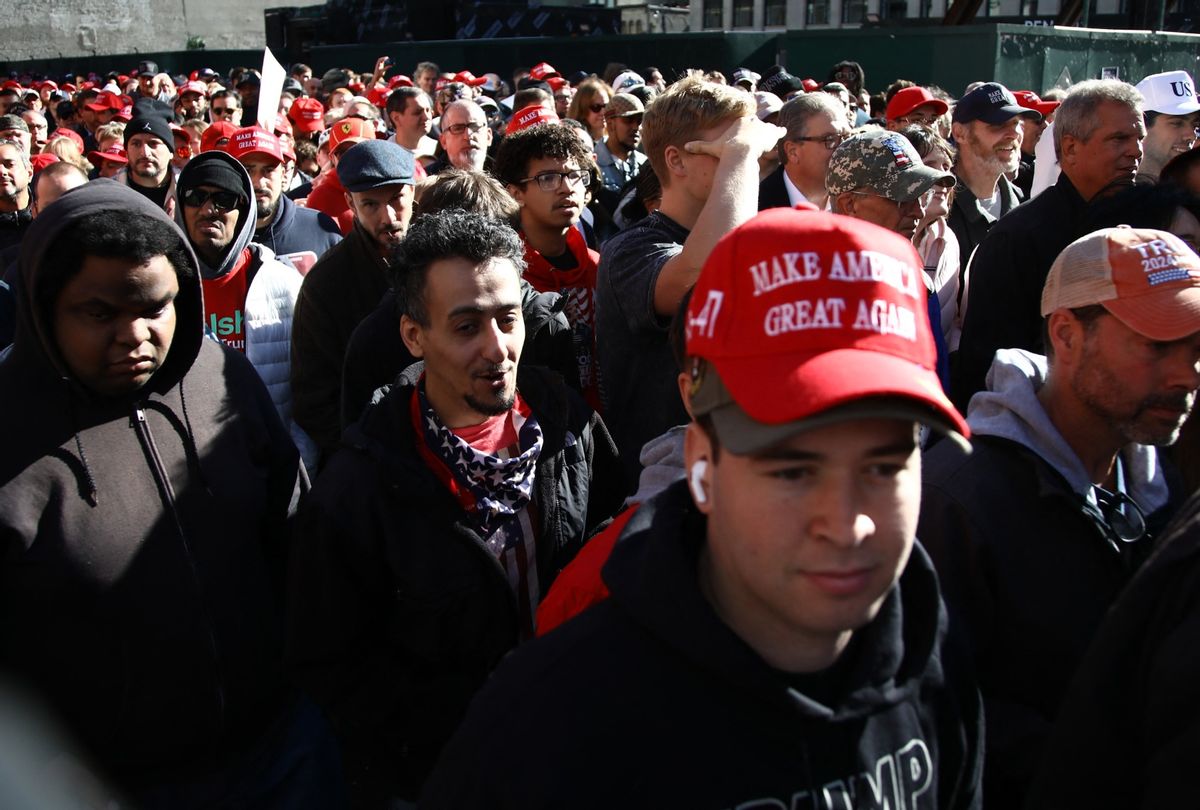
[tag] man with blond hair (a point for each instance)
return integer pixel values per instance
(699, 137)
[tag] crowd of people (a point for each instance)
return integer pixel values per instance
(594, 441)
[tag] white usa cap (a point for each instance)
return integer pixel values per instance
(1170, 93)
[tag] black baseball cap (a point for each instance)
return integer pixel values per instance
(992, 103)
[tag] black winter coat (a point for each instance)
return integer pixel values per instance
(398, 612)
(648, 700)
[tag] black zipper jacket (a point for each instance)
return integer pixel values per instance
(398, 611)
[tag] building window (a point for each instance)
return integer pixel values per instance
(816, 12)
(854, 11)
(775, 13)
(712, 14)
(893, 9)
(743, 13)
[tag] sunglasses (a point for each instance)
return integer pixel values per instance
(221, 200)
(597, 107)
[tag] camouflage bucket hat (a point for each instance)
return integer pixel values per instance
(884, 162)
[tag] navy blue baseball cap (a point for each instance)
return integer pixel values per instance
(375, 163)
(992, 103)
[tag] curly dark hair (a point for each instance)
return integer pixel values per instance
(542, 141)
(450, 233)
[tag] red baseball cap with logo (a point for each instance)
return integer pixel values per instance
(1032, 101)
(1149, 280)
(282, 125)
(115, 152)
(800, 318)
(468, 78)
(400, 80)
(378, 95)
(350, 130)
(530, 116)
(194, 87)
(216, 134)
(41, 161)
(542, 71)
(253, 141)
(307, 115)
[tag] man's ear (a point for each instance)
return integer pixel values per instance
(413, 336)
(1066, 334)
(1070, 147)
(845, 203)
(698, 466)
(350, 202)
(673, 157)
(517, 192)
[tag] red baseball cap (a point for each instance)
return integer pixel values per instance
(124, 114)
(468, 78)
(194, 87)
(11, 84)
(909, 98)
(48, 83)
(810, 85)
(1149, 280)
(253, 141)
(105, 101)
(42, 160)
(350, 130)
(114, 153)
(282, 125)
(400, 80)
(378, 95)
(307, 115)
(802, 314)
(556, 83)
(1032, 101)
(216, 132)
(68, 87)
(542, 71)
(530, 116)
(65, 132)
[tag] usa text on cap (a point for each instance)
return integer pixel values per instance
(1172, 93)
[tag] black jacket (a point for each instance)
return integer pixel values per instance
(376, 353)
(1028, 569)
(772, 193)
(340, 290)
(1129, 727)
(969, 224)
(142, 540)
(649, 700)
(398, 610)
(1007, 276)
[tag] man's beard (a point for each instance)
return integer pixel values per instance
(992, 161)
(267, 208)
(501, 404)
(150, 172)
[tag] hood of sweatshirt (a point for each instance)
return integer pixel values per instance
(34, 344)
(652, 575)
(662, 464)
(1009, 409)
(247, 212)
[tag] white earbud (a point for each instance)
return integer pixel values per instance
(697, 481)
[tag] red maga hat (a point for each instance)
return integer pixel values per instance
(307, 115)
(799, 312)
(542, 71)
(527, 117)
(216, 133)
(114, 153)
(1032, 101)
(254, 141)
(469, 78)
(909, 98)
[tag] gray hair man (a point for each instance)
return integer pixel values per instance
(1098, 132)
(816, 125)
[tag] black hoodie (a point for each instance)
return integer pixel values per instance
(142, 536)
(649, 700)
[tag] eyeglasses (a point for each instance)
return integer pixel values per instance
(221, 200)
(831, 141)
(552, 181)
(1122, 514)
(224, 110)
(929, 119)
(459, 129)
(598, 107)
(900, 205)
